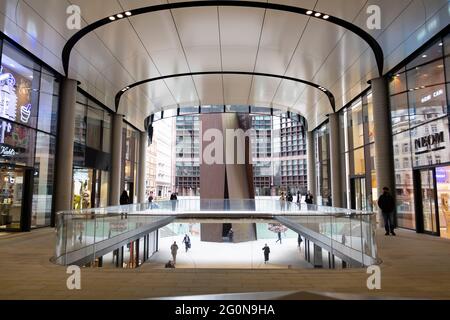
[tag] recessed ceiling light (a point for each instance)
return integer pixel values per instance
(326, 16)
(317, 14)
(416, 88)
(440, 44)
(411, 89)
(309, 12)
(112, 18)
(120, 16)
(424, 56)
(12, 65)
(128, 13)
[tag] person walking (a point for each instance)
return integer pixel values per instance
(299, 240)
(230, 235)
(279, 237)
(299, 197)
(187, 242)
(174, 250)
(266, 250)
(289, 199)
(386, 203)
(282, 201)
(309, 198)
(173, 200)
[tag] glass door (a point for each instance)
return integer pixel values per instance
(443, 197)
(427, 201)
(11, 194)
(358, 193)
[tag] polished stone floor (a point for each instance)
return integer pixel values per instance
(413, 266)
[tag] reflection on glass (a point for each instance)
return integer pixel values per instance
(427, 104)
(404, 187)
(82, 188)
(356, 123)
(44, 179)
(399, 113)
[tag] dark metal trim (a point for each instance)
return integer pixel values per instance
(315, 85)
(376, 48)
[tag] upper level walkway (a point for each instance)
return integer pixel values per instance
(84, 235)
(414, 265)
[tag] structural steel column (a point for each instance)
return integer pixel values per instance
(64, 148)
(116, 159)
(311, 164)
(335, 159)
(142, 165)
(384, 167)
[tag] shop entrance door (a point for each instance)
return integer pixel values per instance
(358, 193)
(16, 192)
(426, 204)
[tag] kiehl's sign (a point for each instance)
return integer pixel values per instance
(430, 143)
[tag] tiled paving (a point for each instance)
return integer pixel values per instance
(414, 266)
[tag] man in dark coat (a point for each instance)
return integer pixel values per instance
(266, 250)
(387, 205)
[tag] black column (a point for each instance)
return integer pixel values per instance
(27, 200)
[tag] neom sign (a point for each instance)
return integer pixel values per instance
(429, 141)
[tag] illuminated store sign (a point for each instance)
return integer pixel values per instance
(6, 151)
(8, 99)
(435, 94)
(429, 143)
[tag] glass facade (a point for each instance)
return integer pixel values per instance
(420, 127)
(91, 154)
(28, 120)
(322, 165)
(130, 159)
(359, 189)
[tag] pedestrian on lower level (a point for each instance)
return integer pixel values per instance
(187, 242)
(386, 203)
(174, 250)
(230, 235)
(266, 250)
(279, 237)
(299, 240)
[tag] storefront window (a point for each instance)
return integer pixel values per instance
(430, 143)
(19, 87)
(94, 128)
(80, 123)
(404, 187)
(48, 103)
(44, 179)
(358, 161)
(399, 113)
(427, 104)
(370, 124)
(16, 144)
(356, 119)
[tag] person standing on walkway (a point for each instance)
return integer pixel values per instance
(279, 237)
(187, 242)
(289, 199)
(124, 198)
(386, 203)
(299, 197)
(174, 250)
(266, 250)
(309, 198)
